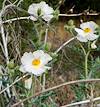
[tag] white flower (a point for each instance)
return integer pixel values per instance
(87, 32)
(40, 10)
(35, 62)
(93, 45)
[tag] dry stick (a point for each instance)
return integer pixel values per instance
(62, 15)
(80, 14)
(16, 19)
(2, 31)
(64, 44)
(82, 102)
(13, 83)
(55, 87)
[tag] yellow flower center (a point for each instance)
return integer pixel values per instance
(36, 62)
(87, 30)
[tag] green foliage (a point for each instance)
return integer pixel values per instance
(40, 101)
(95, 68)
(80, 92)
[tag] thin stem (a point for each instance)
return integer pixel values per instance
(83, 48)
(86, 64)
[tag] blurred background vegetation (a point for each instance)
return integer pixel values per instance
(68, 66)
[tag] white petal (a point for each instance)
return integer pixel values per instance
(38, 53)
(81, 38)
(33, 9)
(46, 8)
(38, 71)
(46, 58)
(27, 58)
(80, 32)
(22, 69)
(28, 83)
(92, 37)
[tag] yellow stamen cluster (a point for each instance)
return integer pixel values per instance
(36, 62)
(87, 30)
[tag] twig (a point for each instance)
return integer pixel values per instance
(80, 14)
(64, 44)
(82, 102)
(13, 83)
(55, 87)
(16, 19)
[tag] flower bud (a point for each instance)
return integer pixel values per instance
(11, 64)
(93, 45)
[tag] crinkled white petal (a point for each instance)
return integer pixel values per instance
(94, 24)
(46, 8)
(38, 71)
(46, 58)
(92, 37)
(38, 54)
(81, 38)
(27, 58)
(48, 11)
(28, 83)
(35, 71)
(33, 8)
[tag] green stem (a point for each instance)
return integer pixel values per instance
(82, 48)
(86, 64)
